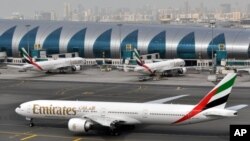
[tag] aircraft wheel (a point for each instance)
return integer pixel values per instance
(31, 124)
(115, 133)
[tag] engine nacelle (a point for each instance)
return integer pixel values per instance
(76, 68)
(182, 70)
(79, 125)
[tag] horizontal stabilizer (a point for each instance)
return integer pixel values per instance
(160, 101)
(237, 107)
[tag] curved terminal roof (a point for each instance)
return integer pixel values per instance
(108, 39)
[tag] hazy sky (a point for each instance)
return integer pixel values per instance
(28, 7)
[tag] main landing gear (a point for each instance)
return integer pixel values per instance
(115, 129)
(115, 132)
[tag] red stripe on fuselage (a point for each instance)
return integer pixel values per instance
(147, 68)
(198, 108)
(36, 65)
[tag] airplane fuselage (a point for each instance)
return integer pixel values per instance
(54, 64)
(134, 113)
(83, 115)
(160, 67)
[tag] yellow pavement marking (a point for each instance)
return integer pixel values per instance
(29, 137)
(87, 93)
(48, 136)
(78, 139)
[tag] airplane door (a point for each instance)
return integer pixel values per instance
(103, 112)
(145, 113)
(29, 109)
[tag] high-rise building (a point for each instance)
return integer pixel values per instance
(53, 15)
(248, 8)
(45, 16)
(17, 15)
(225, 8)
(42, 16)
(67, 11)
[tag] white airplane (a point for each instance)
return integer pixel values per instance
(62, 65)
(163, 68)
(84, 115)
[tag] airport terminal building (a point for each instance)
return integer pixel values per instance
(109, 40)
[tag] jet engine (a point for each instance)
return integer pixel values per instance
(175, 72)
(182, 70)
(79, 125)
(76, 68)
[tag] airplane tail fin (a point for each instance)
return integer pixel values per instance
(218, 96)
(137, 56)
(26, 56)
(28, 59)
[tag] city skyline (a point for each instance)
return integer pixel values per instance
(29, 7)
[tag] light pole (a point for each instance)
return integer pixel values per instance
(120, 42)
(27, 26)
(212, 23)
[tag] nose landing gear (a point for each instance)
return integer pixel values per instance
(31, 124)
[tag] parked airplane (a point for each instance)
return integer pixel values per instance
(162, 68)
(61, 65)
(84, 115)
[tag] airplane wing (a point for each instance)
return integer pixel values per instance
(168, 68)
(109, 121)
(127, 67)
(122, 67)
(15, 66)
(61, 66)
(187, 67)
(164, 100)
(243, 69)
(237, 107)
(20, 67)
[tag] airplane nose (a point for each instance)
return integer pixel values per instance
(17, 110)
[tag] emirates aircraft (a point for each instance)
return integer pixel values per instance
(61, 65)
(83, 116)
(162, 68)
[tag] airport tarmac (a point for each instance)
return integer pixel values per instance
(92, 84)
(16, 91)
(94, 75)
